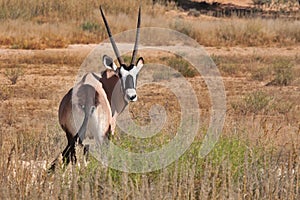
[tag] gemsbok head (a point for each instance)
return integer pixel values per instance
(126, 73)
(91, 107)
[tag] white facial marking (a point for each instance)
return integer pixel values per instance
(129, 82)
(130, 95)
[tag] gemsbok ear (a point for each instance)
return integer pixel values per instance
(109, 63)
(140, 63)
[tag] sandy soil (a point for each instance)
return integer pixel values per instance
(244, 51)
(222, 51)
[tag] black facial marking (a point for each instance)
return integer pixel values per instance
(129, 82)
(96, 77)
(128, 68)
(83, 78)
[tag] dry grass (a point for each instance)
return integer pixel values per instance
(232, 171)
(256, 158)
(13, 74)
(42, 24)
(37, 25)
(246, 32)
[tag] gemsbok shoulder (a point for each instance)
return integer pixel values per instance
(91, 107)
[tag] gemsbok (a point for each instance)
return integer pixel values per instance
(97, 99)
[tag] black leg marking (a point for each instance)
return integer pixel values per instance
(86, 152)
(69, 153)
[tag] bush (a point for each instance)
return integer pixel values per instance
(255, 102)
(13, 74)
(260, 74)
(283, 73)
(229, 68)
(90, 26)
(163, 74)
(182, 66)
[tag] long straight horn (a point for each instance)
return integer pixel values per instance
(135, 49)
(112, 41)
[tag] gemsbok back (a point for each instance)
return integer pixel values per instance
(97, 99)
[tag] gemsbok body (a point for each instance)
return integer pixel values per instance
(91, 107)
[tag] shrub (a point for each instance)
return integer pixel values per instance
(260, 74)
(283, 73)
(90, 26)
(13, 74)
(283, 107)
(229, 68)
(255, 102)
(162, 75)
(182, 66)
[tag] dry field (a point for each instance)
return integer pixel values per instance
(259, 146)
(256, 157)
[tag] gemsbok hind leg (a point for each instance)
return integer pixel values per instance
(69, 153)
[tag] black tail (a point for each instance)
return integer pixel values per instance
(69, 153)
(89, 97)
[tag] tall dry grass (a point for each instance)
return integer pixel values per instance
(246, 32)
(55, 23)
(257, 156)
(233, 170)
(57, 10)
(40, 24)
